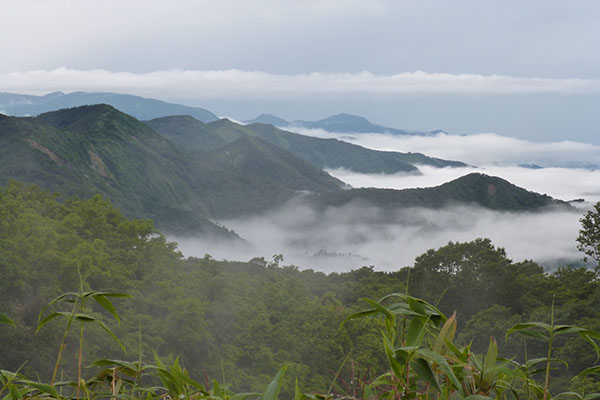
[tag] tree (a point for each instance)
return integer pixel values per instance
(589, 234)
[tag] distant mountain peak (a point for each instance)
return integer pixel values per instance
(345, 117)
(268, 119)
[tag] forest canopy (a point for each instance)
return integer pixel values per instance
(240, 322)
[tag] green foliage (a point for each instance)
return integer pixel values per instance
(589, 234)
(240, 322)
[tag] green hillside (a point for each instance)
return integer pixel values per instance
(475, 188)
(323, 153)
(97, 149)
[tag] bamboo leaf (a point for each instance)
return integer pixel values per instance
(42, 387)
(107, 330)
(390, 354)
(446, 334)
(567, 394)
(595, 370)
(523, 328)
(50, 317)
(274, 387)
(424, 371)
(443, 365)
(107, 305)
(416, 331)
(489, 363)
(380, 308)
(5, 320)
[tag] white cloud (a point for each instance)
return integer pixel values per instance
(233, 83)
(477, 149)
(348, 237)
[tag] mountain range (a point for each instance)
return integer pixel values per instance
(184, 173)
(146, 108)
(141, 108)
(192, 135)
(339, 123)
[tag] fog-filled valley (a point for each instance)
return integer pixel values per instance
(339, 239)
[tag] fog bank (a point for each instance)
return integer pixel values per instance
(477, 149)
(344, 238)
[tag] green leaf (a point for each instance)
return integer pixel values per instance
(107, 330)
(107, 305)
(391, 356)
(50, 317)
(416, 331)
(5, 320)
(522, 328)
(567, 394)
(446, 334)
(380, 308)
(489, 363)
(274, 387)
(595, 370)
(441, 362)
(424, 371)
(42, 387)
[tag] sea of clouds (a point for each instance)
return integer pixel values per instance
(348, 237)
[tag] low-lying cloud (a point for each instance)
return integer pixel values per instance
(234, 83)
(348, 237)
(345, 238)
(476, 149)
(561, 183)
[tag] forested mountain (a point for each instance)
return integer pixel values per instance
(475, 188)
(239, 322)
(139, 107)
(192, 172)
(323, 153)
(97, 149)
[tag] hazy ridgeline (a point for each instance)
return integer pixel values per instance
(239, 322)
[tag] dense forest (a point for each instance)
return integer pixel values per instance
(240, 322)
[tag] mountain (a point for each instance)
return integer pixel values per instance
(322, 153)
(98, 149)
(139, 107)
(268, 119)
(339, 123)
(479, 189)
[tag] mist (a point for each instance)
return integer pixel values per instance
(359, 234)
(355, 235)
(477, 149)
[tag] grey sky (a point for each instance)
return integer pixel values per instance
(257, 48)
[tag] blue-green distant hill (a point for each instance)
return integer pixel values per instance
(139, 107)
(339, 123)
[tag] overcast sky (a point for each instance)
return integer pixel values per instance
(523, 69)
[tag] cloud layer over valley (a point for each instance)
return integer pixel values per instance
(352, 236)
(340, 239)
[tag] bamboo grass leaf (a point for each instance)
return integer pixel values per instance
(446, 335)
(274, 387)
(443, 365)
(50, 317)
(595, 370)
(107, 330)
(107, 305)
(5, 320)
(42, 387)
(424, 371)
